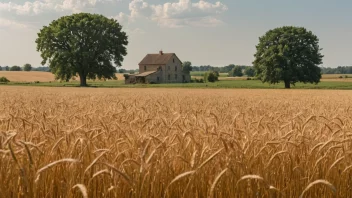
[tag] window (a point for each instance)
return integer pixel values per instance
(145, 68)
(175, 76)
(158, 79)
(168, 77)
(175, 68)
(173, 60)
(169, 67)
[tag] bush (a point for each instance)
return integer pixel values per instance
(211, 76)
(36, 82)
(4, 80)
(196, 80)
(340, 76)
(249, 78)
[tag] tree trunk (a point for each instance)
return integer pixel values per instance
(83, 80)
(287, 85)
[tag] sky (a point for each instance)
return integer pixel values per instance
(205, 32)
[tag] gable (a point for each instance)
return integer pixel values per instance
(174, 56)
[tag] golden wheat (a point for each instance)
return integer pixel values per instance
(74, 142)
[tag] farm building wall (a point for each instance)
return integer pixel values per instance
(156, 77)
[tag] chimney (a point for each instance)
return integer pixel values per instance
(161, 52)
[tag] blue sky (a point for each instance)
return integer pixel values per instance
(205, 32)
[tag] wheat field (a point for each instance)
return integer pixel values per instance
(86, 142)
(24, 76)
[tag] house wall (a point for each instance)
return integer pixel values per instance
(153, 78)
(130, 80)
(168, 69)
(172, 68)
(149, 68)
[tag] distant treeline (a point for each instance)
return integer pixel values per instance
(227, 69)
(224, 69)
(338, 70)
(205, 68)
(44, 69)
(127, 71)
(18, 68)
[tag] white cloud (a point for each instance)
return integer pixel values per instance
(5, 23)
(122, 18)
(171, 14)
(181, 13)
(134, 31)
(209, 7)
(139, 8)
(39, 6)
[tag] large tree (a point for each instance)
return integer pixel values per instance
(89, 45)
(236, 71)
(27, 67)
(249, 71)
(289, 54)
(187, 67)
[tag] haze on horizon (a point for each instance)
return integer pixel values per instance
(205, 32)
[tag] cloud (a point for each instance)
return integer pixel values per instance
(5, 23)
(135, 31)
(40, 6)
(139, 8)
(170, 14)
(179, 14)
(122, 18)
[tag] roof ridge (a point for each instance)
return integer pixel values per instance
(157, 58)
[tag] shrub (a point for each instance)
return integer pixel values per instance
(211, 76)
(196, 80)
(340, 76)
(36, 82)
(249, 78)
(4, 80)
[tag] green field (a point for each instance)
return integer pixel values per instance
(201, 73)
(248, 84)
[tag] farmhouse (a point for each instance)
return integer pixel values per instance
(160, 68)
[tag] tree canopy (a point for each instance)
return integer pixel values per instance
(289, 54)
(236, 71)
(249, 71)
(187, 67)
(27, 67)
(15, 68)
(89, 45)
